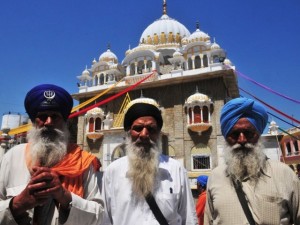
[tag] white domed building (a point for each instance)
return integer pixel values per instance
(167, 65)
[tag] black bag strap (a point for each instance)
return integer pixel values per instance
(241, 195)
(155, 209)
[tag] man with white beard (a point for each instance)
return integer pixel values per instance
(145, 175)
(49, 181)
(250, 188)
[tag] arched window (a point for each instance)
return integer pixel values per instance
(190, 116)
(101, 78)
(118, 152)
(132, 69)
(216, 59)
(296, 147)
(205, 61)
(140, 66)
(205, 114)
(91, 125)
(190, 63)
(98, 124)
(197, 62)
(197, 114)
(96, 80)
(149, 65)
(288, 149)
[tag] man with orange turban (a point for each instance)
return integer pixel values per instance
(49, 181)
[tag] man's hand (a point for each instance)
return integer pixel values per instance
(44, 184)
(47, 184)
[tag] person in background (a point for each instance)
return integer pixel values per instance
(298, 170)
(144, 176)
(249, 188)
(292, 167)
(200, 206)
(49, 181)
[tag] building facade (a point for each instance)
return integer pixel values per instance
(290, 145)
(187, 73)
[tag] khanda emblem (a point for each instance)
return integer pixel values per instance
(49, 95)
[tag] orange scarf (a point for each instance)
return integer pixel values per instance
(72, 167)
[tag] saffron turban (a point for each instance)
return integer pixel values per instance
(242, 107)
(142, 107)
(46, 97)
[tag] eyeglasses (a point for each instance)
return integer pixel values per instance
(44, 116)
(152, 129)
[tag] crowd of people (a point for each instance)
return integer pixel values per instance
(49, 181)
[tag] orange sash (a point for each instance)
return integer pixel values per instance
(72, 167)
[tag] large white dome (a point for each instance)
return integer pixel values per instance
(164, 31)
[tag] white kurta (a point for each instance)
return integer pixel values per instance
(14, 176)
(273, 200)
(172, 194)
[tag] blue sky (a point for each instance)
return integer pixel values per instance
(52, 41)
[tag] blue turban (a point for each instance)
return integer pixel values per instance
(202, 180)
(242, 107)
(46, 97)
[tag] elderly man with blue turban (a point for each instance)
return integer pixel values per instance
(249, 188)
(49, 181)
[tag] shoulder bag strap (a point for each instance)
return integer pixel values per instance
(241, 195)
(155, 209)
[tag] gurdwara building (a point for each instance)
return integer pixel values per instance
(186, 72)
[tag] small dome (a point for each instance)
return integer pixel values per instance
(94, 61)
(214, 45)
(85, 72)
(198, 35)
(108, 56)
(184, 41)
(227, 62)
(197, 97)
(97, 111)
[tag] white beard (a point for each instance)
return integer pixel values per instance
(48, 146)
(245, 161)
(143, 167)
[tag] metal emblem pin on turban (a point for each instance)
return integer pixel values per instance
(49, 95)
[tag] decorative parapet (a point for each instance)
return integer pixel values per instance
(129, 80)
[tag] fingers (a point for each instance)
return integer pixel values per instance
(45, 183)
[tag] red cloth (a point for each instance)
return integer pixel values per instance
(200, 207)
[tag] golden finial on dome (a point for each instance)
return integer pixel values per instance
(108, 46)
(164, 7)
